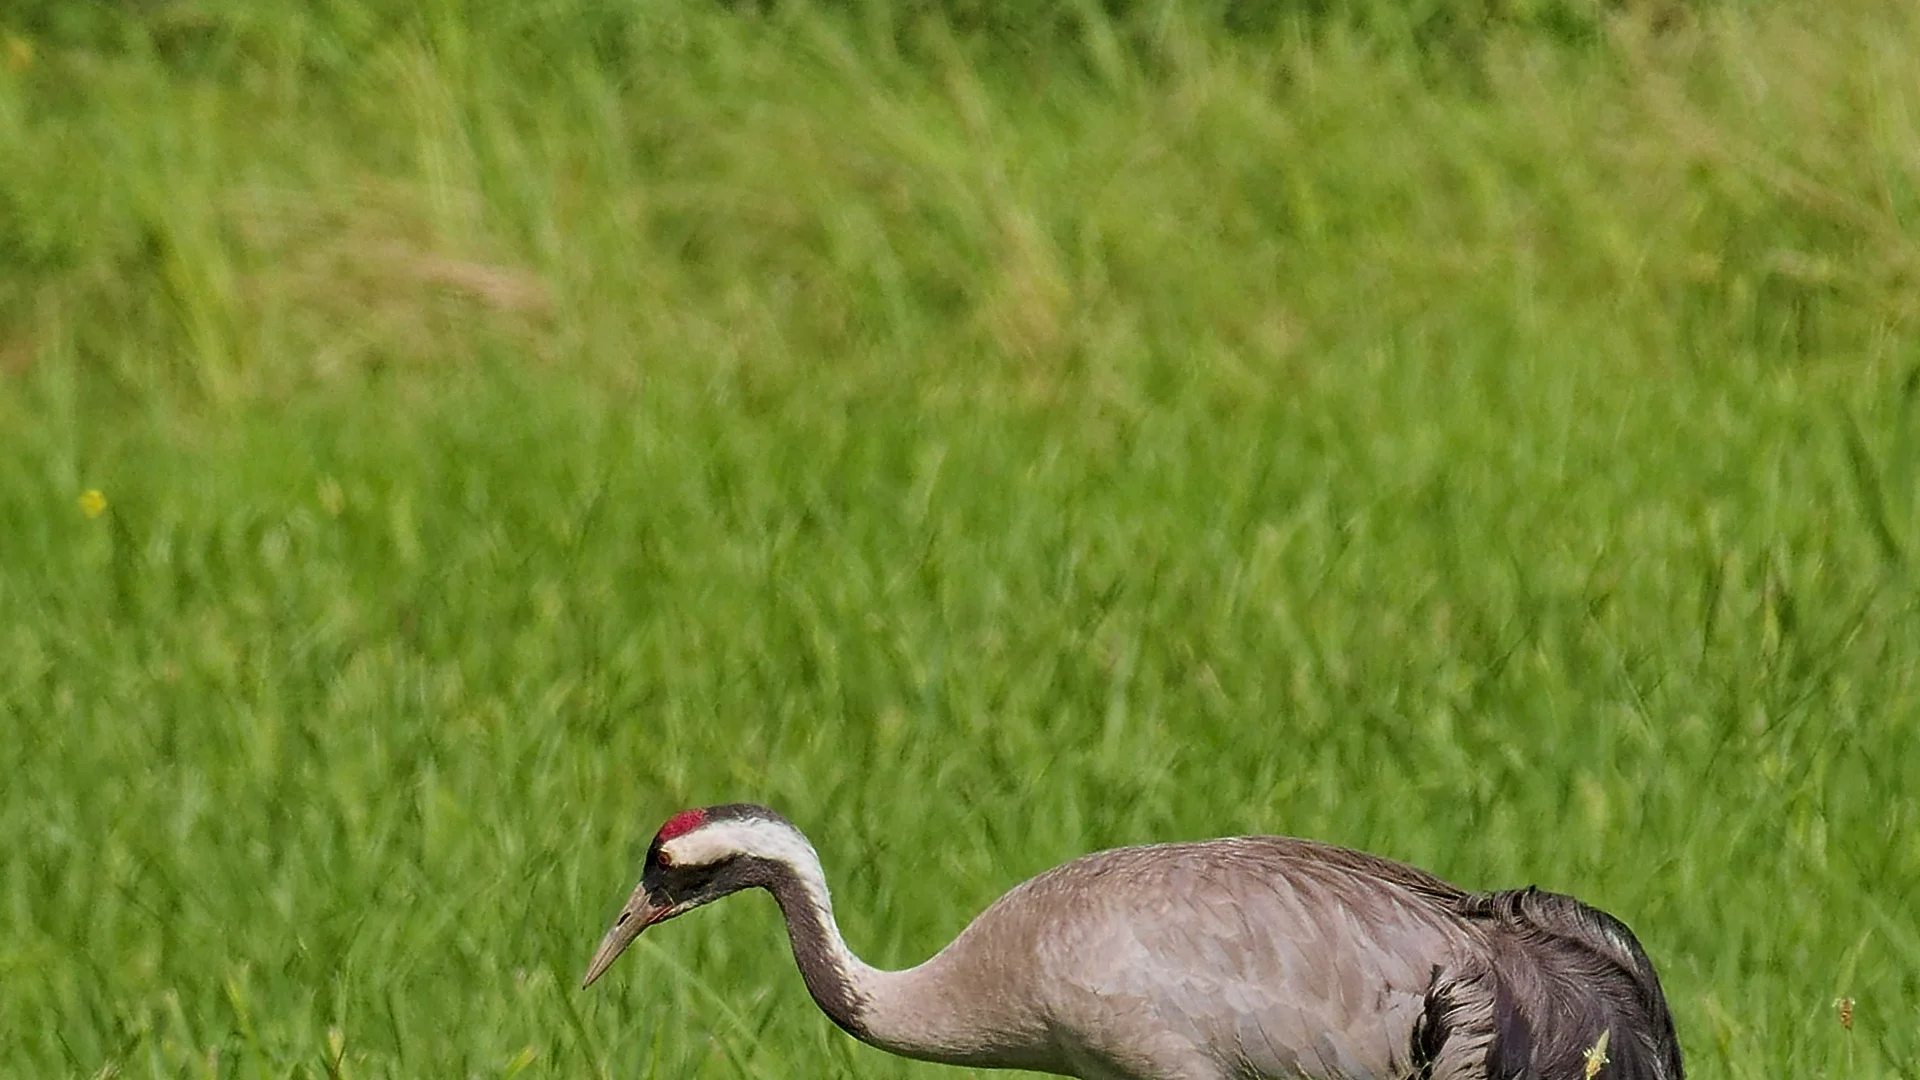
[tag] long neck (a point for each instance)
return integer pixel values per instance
(953, 1009)
(841, 983)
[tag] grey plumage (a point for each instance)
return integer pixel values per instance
(1252, 958)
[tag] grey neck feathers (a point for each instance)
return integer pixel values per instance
(840, 983)
(936, 1011)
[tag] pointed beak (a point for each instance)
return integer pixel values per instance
(639, 914)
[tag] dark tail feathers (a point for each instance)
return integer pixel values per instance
(1563, 973)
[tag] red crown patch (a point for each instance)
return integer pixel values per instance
(680, 824)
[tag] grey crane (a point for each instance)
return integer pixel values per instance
(1248, 958)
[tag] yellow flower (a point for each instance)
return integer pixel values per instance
(92, 503)
(521, 1060)
(1597, 1056)
(19, 53)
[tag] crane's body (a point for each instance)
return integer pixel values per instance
(1250, 958)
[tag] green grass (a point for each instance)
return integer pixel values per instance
(519, 426)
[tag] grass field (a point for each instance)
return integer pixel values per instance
(1492, 442)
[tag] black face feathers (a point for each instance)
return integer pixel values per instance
(743, 811)
(682, 888)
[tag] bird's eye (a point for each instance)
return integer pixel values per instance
(663, 858)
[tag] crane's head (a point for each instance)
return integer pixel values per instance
(697, 857)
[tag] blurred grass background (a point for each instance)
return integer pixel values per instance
(1479, 432)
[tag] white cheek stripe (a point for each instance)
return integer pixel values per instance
(761, 839)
